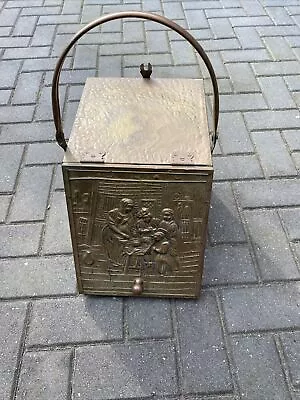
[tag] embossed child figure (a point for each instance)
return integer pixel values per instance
(146, 225)
(164, 255)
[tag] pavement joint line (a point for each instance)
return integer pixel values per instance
(178, 361)
(283, 362)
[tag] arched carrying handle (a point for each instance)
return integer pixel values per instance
(130, 14)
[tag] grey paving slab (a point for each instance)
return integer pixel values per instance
(293, 139)
(43, 153)
(57, 234)
(256, 358)
(45, 375)
(262, 308)
(12, 318)
(268, 193)
(204, 362)
(242, 77)
(228, 264)
(14, 114)
(291, 222)
(291, 347)
(27, 132)
(20, 239)
(32, 192)
(81, 319)
(27, 88)
(277, 162)
(271, 245)
(224, 224)
(276, 92)
(37, 276)
(10, 157)
(148, 318)
(4, 204)
(237, 167)
(125, 371)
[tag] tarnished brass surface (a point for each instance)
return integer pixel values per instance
(131, 14)
(141, 121)
(137, 231)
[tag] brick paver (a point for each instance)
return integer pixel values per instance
(240, 340)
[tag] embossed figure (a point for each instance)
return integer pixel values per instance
(169, 225)
(119, 229)
(164, 254)
(146, 225)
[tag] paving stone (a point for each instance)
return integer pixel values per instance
(262, 308)
(251, 21)
(226, 264)
(95, 319)
(72, 7)
(26, 52)
(25, 26)
(275, 119)
(20, 240)
(274, 257)
(194, 5)
(221, 28)
(11, 158)
(57, 19)
(58, 179)
(204, 361)
(125, 371)
(183, 53)
(110, 66)
(245, 55)
(149, 318)
(157, 42)
(44, 109)
(40, 10)
(272, 193)
(279, 48)
(180, 71)
(44, 375)
(93, 38)
(224, 224)
(12, 114)
(8, 17)
(233, 134)
(292, 83)
(223, 12)
(220, 44)
(291, 221)
(43, 35)
(218, 65)
(5, 95)
(291, 346)
(12, 318)
(257, 358)
(274, 68)
(151, 5)
(43, 64)
(57, 234)
(123, 48)
(253, 7)
(277, 162)
(133, 31)
(196, 19)
(32, 193)
(32, 132)
(273, 31)
(85, 57)
(4, 204)
(10, 42)
(43, 153)
(27, 88)
(237, 167)
(173, 11)
(276, 93)
(279, 15)
(248, 37)
(156, 59)
(37, 276)
(8, 73)
(242, 102)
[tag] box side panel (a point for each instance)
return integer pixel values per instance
(69, 197)
(128, 225)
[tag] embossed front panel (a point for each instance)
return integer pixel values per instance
(147, 225)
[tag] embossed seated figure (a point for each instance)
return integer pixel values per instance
(119, 229)
(164, 254)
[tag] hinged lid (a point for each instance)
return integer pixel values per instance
(141, 121)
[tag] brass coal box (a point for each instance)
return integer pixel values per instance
(138, 175)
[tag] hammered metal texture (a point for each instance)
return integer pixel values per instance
(141, 121)
(137, 231)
